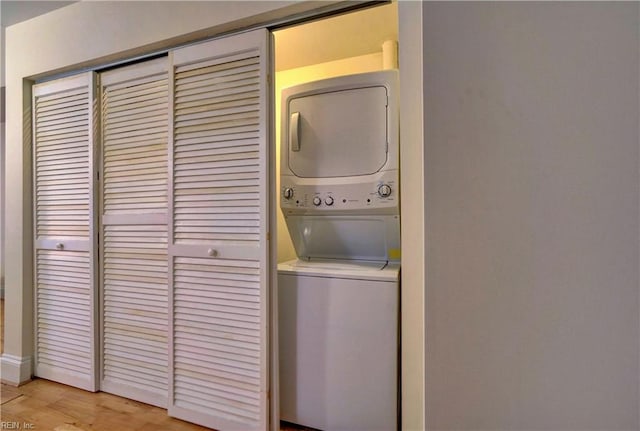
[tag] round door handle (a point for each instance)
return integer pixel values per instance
(212, 252)
(59, 246)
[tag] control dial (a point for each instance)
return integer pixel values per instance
(328, 200)
(317, 201)
(287, 193)
(384, 190)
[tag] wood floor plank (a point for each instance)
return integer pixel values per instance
(67, 427)
(8, 393)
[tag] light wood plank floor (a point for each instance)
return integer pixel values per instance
(55, 407)
(52, 406)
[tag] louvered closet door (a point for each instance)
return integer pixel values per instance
(135, 124)
(65, 319)
(219, 248)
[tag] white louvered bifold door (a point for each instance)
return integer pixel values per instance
(65, 245)
(218, 230)
(134, 306)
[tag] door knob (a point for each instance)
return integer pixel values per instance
(212, 252)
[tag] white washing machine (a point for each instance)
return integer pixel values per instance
(338, 302)
(338, 337)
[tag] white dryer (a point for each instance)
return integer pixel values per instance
(338, 302)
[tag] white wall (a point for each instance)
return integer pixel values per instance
(2, 134)
(532, 215)
(2, 140)
(2, 57)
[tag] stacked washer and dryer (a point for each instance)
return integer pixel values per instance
(338, 303)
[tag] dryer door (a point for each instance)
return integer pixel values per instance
(338, 133)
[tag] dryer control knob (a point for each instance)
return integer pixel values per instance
(317, 201)
(287, 193)
(328, 200)
(384, 190)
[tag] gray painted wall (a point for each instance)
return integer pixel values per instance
(532, 216)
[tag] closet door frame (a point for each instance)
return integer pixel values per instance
(272, 212)
(90, 80)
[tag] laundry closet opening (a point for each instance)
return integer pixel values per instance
(155, 214)
(338, 224)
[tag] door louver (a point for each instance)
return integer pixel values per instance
(219, 244)
(134, 221)
(64, 244)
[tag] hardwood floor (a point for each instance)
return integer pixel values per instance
(52, 406)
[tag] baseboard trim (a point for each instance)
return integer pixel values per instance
(15, 370)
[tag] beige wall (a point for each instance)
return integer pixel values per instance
(532, 215)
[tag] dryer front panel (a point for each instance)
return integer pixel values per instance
(338, 133)
(339, 177)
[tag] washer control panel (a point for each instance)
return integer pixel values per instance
(383, 193)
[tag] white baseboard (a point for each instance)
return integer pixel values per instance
(15, 370)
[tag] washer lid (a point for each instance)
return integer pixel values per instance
(361, 270)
